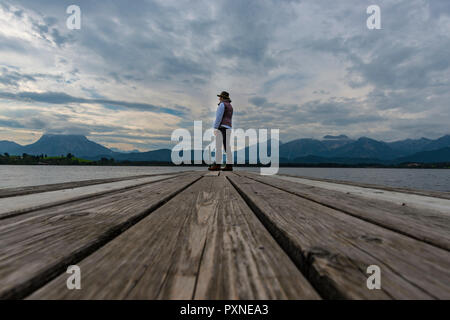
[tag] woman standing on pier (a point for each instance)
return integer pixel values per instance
(222, 126)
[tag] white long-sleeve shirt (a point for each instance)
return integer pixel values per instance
(219, 116)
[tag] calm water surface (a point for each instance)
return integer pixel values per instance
(425, 179)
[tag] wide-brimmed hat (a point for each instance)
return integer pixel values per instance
(224, 95)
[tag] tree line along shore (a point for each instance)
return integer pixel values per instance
(70, 159)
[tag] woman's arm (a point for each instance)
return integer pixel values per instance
(219, 115)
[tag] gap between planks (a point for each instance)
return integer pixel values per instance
(39, 248)
(430, 226)
(43, 200)
(205, 243)
(178, 278)
(426, 193)
(333, 249)
(20, 191)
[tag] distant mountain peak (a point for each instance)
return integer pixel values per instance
(332, 146)
(61, 144)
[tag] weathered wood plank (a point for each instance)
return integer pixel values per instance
(36, 249)
(427, 193)
(205, 243)
(20, 191)
(430, 226)
(334, 249)
(212, 174)
(413, 200)
(19, 205)
(241, 260)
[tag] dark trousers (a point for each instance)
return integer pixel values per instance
(224, 137)
(223, 131)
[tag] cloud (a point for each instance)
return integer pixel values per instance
(9, 123)
(11, 76)
(63, 98)
(7, 44)
(257, 101)
(307, 67)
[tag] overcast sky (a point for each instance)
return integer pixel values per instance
(137, 70)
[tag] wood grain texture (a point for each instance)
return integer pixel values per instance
(20, 205)
(205, 244)
(334, 249)
(212, 174)
(428, 193)
(429, 226)
(36, 249)
(19, 191)
(241, 260)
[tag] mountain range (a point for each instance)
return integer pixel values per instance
(329, 149)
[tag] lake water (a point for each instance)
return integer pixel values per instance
(19, 176)
(425, 179)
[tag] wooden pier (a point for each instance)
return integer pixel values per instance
(227, 235)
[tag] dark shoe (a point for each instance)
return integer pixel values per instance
(227, 167)
(215, 167)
